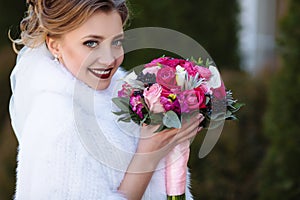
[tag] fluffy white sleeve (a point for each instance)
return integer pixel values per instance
(52, 163)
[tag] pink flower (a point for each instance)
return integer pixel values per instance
(173, 62)
(152, 98)
(190, 68)
(125, 91)
(200, 93)
(191, 100)
(155, 62)
(203, 72)
(151, 70)
(166, 61)
(166, 77)
(137, 105)
(170, 101)
(220, 92)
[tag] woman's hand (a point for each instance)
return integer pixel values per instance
(151, 149)
(161, 143)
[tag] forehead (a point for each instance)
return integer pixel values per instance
(103, 24)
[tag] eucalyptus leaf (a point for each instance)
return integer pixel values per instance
(125, 119)
(160, 128)
(119, 113)
(156, 118)
(232, 117)
(237, 107)
(122, 103)
(228, 114)
(171, 120)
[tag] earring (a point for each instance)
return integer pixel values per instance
(56, 58)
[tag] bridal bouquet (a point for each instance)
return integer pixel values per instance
(168, 90)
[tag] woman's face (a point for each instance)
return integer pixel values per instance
(93, 52)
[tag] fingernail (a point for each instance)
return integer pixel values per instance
(199, 129)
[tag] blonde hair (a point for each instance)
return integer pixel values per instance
(57, 17)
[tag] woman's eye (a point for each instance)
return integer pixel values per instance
(117, 43)
(91, 43)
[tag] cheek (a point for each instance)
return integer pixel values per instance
(73, 60)
(119, 60)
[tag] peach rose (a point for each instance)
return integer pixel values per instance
(152, 98)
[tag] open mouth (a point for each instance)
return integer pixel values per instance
(101, 73)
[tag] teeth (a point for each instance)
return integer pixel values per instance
(100, 72)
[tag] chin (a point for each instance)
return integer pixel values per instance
(103, 85)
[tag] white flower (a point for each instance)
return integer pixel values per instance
(131, 80)
(180, 75)
(215, 79)
(130, 77)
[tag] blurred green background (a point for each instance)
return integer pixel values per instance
(257, 52)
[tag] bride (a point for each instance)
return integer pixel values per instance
(70, 146)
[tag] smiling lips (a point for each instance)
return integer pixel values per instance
(101, 73)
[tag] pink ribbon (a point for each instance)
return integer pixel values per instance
(176, 169)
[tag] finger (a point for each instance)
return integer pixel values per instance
(184, 132)
(188, 137)
(197, 119)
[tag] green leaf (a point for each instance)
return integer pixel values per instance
(171, 120)
(119, 113)
(232, 117)
(156, 118)
(144, 120)
(200, 61)
(208, 62)
(160, 128)
(228, 114)
(236, 107)
(125, 119)
(122, 103)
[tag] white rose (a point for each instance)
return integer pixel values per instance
(180, 75)
(215, 79)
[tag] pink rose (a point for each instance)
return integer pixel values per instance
(166, 61)
(200, 93)
(173, 62)
(156, 61)
(151, 70)
(166, 77)
(152, 98)
(203, 72)
(191, 100)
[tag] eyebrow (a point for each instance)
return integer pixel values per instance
(102, 38)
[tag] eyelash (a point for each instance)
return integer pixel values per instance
(94, 43)
(91, 43)
(118, 43)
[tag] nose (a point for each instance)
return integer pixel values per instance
(106, 57)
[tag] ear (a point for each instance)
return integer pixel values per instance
(54, 46)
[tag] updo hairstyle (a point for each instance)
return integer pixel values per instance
(56, 17)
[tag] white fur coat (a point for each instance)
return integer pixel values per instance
(70, 146)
